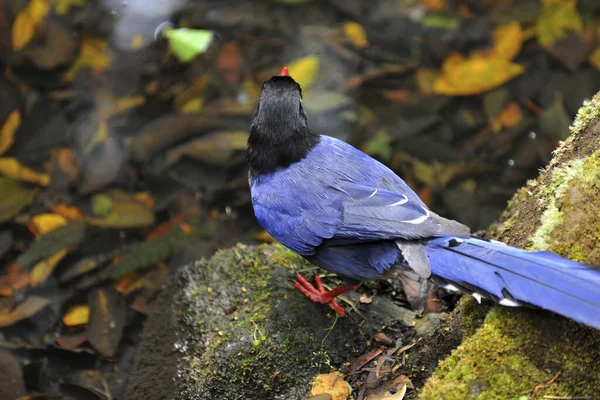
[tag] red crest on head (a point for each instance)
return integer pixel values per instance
(284, 72)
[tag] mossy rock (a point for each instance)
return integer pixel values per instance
(520, 353)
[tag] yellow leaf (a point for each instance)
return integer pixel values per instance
(263, 236)
(7, 133)
(355, 32)
(508, 41)
(45, 223)
(554, 21)
(13, 169)
(77, 315)
(332, 384)
(125, 214)
(27, 22)
(594, 59)
(464, 77)
(64, 6)
(192, 106)
(93, 55)
(305, 70)
(122, 105)
(43, 269)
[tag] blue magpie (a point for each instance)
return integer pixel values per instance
(348, 213)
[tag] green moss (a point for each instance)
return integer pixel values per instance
(569, 221)
(512, 353)
(586, 114)
(241, 335)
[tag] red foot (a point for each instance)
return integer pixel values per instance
(320, 295)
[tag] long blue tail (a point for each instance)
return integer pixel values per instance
(514, 277)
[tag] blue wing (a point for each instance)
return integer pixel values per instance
(339, 194)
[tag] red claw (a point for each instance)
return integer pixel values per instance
(320, 295)
(284, 72)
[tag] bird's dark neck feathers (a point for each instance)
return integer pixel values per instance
(279, 135)
(266, 155)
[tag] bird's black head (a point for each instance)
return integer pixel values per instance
(279, 135)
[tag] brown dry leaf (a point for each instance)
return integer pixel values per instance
(508, 41)
(11, 168)
(122, 105)
(31, 306)
(27, 22)
(93, 55)
(229, 62)
(108, 313)
(16, 279)
(214, 149)
(433, 5)
(356, 33)
(395, 394)
(425, 78)
(77, 315)
(44, 223)
(196, 90)
(465, 77)
(71, 213)
(43, 269)
(67, 162)
(556, 19)
(510, 116)
(332, 384)
(7, 132)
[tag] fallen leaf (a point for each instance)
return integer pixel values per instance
(11, 168)
(93, 55)
(88, 264)
(364, 359)
(108, 312)
(67, 162)
(263, 236)
(73, 341)
(333, 384)
(366, 299)
(16, 279)
(305, 70)
(439, 175)
(7, 132)
(31, 306)
(379, 145)
(63, 7)
(321, 102)
(425, 78)
(15, 197)
(510, 116)
(464, 77)
(121, 105)
(27, 22)
(192, 106)
(188, 43)
(229, 62)
(554, 21)
(356, 33)
(508, 41)
(395, 394)
(43, 269)
(43, 223)
(195, 91)
(214, 149)
(594, 59)
(555, 121)
(52, 242)
(102, 203)
(433, 5)
(125, 213)
(71, 213)
(77, 315)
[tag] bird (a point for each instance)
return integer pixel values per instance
(348, 213)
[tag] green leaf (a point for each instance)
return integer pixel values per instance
(15, 197)
(52, 242)
(101, 204)
(188, 43)
(380, 145)
(555, 121)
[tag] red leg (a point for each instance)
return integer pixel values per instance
(320, 295)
